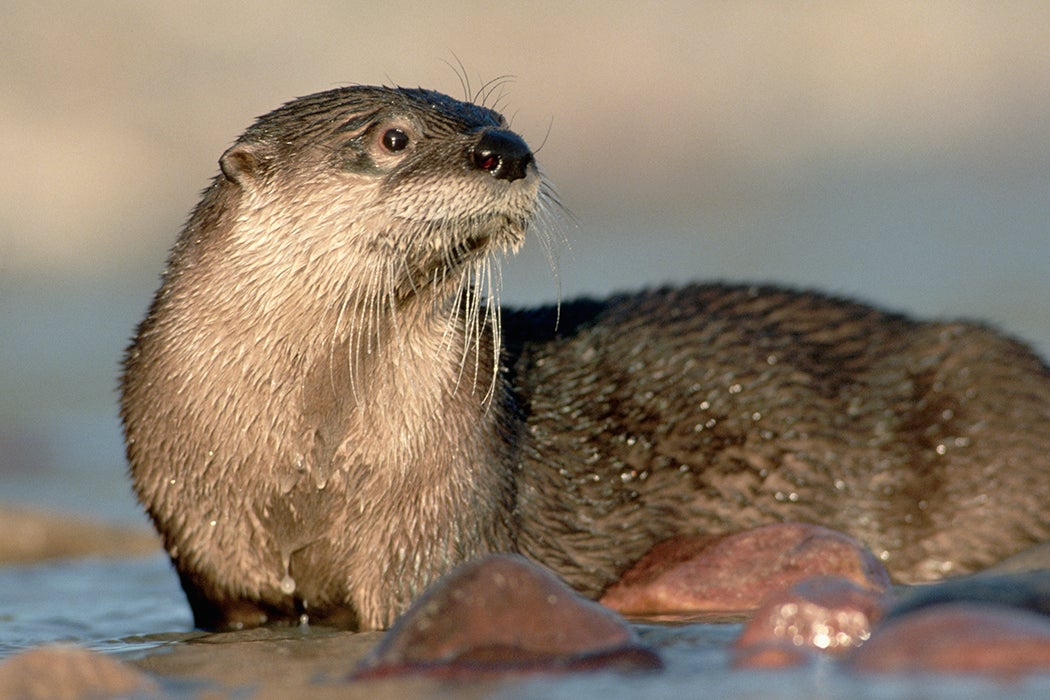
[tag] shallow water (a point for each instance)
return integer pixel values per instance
(133, 608)
(106, 605)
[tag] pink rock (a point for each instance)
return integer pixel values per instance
(737, 572)
(69, 672)
(959, 638)
(818, 615)
(504, 614)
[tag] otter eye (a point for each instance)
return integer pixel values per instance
(395, 140)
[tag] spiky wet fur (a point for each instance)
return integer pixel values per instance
(301, 403)
(325, 409)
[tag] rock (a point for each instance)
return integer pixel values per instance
(962, 638)
(504, 614)
(818, 615)
(737, 572)
(58, 672)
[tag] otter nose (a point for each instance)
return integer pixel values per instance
(502, 153)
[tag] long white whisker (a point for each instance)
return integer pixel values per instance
(391, 301)
(470, 317)
(481, 281)
(494, 311)
(551, 219)
(450, 324)
(335, 340)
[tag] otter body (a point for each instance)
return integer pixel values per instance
(323, 412)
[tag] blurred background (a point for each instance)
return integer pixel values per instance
(895, 152)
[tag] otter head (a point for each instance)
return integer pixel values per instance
(408, 182)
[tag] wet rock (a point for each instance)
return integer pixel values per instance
(828, 615)
(57, 672)
(964, 638)
(504, 614)
(737, 572)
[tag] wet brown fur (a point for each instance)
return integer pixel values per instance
(315, 422)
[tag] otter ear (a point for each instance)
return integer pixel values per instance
(243, 163)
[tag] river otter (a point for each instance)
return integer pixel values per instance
(324, 411)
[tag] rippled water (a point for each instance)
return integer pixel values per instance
(134, 608)
(107, 605)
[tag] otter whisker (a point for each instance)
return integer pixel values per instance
(391, 302)
(494, 315)
(470, 314)
(461, 72)
(343, 305)
(488, 88)
(551, 218)
(375, 315)
(409, 274)
(452, 319)
(357, 331)
(480, 318)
